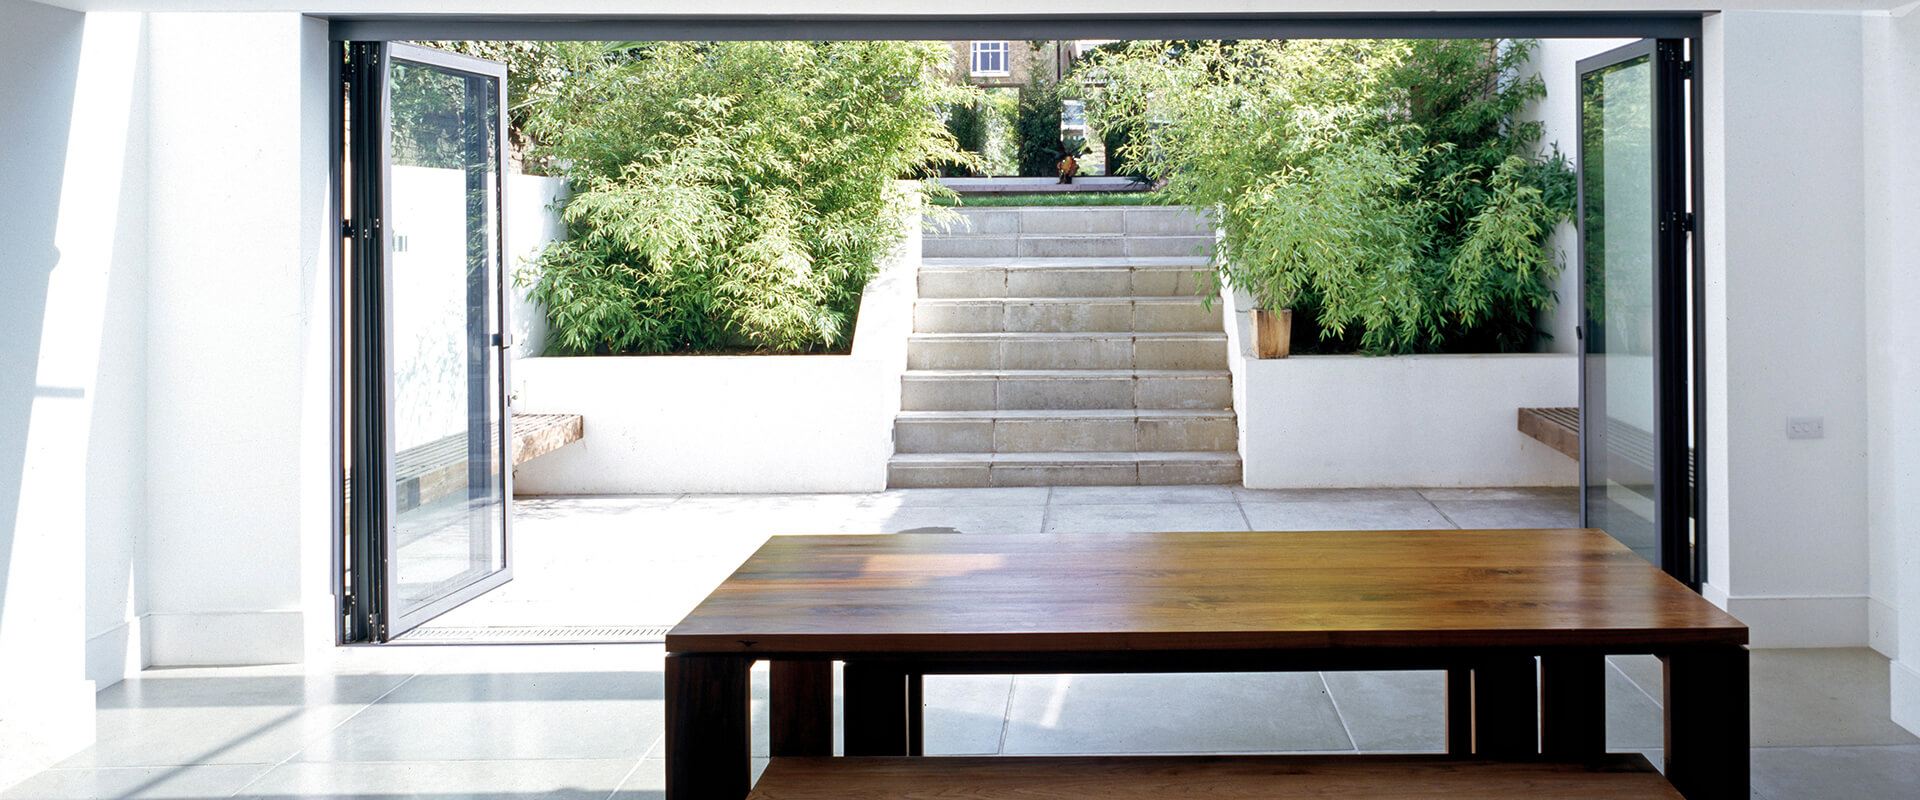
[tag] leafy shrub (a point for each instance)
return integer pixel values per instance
(1037, 124)
(731, 195)
(1385, 189)
(967, 123)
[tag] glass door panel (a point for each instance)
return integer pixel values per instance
(1631, 432)
(427, 176)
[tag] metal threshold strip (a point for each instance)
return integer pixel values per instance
(537, 634)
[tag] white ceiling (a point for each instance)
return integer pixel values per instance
(957, 7)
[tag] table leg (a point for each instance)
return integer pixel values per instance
(875, 706)
(1506, 711)
(802, 704)
(1708, 722)
(1573, 705)
(1460, 712)
(916, 714)
(707, 740)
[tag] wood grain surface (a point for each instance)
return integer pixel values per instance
(989, 593)
(1617, 777)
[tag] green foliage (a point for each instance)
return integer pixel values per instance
(731, 195)
(1038, 148)
(967, 123)
(1385, 189)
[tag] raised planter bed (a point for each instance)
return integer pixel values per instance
(1378, 421)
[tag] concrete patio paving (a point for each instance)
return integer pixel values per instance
(646, 560)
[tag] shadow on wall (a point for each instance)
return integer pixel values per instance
(40, 55)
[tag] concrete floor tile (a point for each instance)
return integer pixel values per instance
(1339, 515)
(1247, 495)
(1516, 513)
(1646, 672)
(1145, 518)
(462, 717)
(136, 783)
(951, 519)
(1199, 713)
(966, 714)
(1634, 721)
(445, 780)
(1815, 698)
(1825, 773)
(1138, 495)
(914, 498)
(161, 719)
(1392, 712)
(1567, 494)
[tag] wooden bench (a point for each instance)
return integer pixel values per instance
(1614, 777)
(427, 472)
(1559, 428)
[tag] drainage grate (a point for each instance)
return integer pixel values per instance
(536, 634)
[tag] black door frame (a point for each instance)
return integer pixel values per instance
(347, 30)
(363, 548)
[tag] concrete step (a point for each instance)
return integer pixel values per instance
(1064, 246)
(928, 470)
(1081, 277)
(1047, 431)
(1072, 220)
(1066, 315)
(1008, 389)
(1175, 350)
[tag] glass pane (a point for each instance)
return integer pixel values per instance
(446, 415)
(1616, 161)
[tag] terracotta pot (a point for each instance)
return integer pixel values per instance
(1272, 332)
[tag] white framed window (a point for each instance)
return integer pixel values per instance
(990, 59)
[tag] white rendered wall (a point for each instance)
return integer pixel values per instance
(239, 414)
(1559, 116)
(816, 423)
(1785, 290)
(1375, 421)
(72, 241)
(1893, 206)
(533, 220)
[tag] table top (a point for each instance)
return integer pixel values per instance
(1036, 594)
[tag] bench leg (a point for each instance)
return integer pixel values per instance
(707, 728)
(802, 698)
(1573, 705)
(1708, 722)
(876, 709)
(1460, 712)
(1506, 715)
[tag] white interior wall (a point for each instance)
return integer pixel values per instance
(1785, 287)
(239, 335)
(72, 236)
(1893, 203)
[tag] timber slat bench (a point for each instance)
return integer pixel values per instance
(1633, 448)
(427, 472)
(1521, 622)
(1616, 777)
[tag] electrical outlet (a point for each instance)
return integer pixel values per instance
(1806, 427)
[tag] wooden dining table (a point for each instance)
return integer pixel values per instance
(1521, 621)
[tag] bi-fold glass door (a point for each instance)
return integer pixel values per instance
(1637, 431)
(428, 515)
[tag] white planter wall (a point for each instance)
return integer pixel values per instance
(1367, 421)
(731, 423)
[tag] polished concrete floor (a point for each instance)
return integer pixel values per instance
(584, 722)
(646, 560)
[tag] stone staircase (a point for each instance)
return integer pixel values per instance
(1066, 346)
